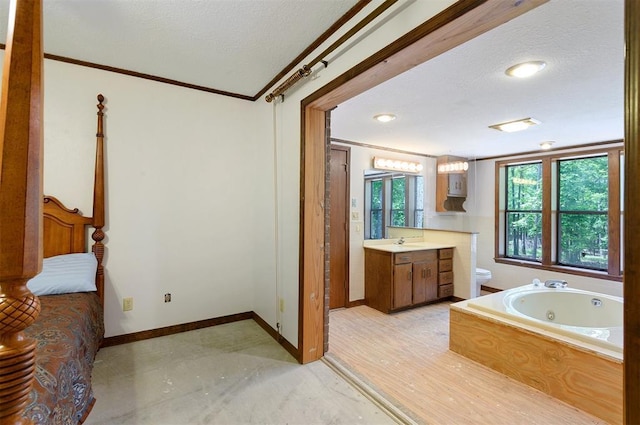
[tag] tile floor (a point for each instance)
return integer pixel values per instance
(228, 374)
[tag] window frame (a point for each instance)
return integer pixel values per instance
(550, 216)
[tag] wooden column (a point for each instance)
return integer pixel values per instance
(311, 341)
(20, 203)
(632, 215)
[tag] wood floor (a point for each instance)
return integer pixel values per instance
(405, 358)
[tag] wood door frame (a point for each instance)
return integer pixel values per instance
(462, 21)
(347, 217)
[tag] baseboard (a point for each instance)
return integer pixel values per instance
(489, 289)
(275, 335)
(174, 329)
(185, 327)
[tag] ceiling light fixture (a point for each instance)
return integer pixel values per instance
(396, 165)
(525, 69)
(384, 117)
(516, 125)
(546, 145)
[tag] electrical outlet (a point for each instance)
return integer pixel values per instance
(127, 304)
(167, 297)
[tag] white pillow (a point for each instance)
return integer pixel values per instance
(64, 274)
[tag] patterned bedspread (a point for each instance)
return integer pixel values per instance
(69, 332)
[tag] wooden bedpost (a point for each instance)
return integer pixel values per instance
(98, 201)
(20, 203)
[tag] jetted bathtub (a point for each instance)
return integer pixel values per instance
(589, 317)
(563, 341)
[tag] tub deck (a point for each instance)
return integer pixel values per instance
(583, 376)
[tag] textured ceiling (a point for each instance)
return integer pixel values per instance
(444, 106)
(236, 46)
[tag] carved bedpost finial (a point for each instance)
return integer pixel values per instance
(99, 200)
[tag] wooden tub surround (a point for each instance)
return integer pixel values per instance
(584, 378)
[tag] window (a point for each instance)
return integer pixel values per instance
(392, 200)
(562, 212)
(398, 201)
(583, 200)
(375, 213)
(524, 211)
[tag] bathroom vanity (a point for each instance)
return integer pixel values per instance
(404, 276)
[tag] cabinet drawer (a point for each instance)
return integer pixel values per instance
(415, 256)
(445, 265)
(445, 278)
(445, 291)
(445, 253)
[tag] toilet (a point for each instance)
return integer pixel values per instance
(482, 277)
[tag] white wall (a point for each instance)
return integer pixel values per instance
(180, 217)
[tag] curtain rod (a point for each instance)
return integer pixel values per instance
(306, 69)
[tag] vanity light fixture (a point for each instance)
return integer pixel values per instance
(396, 165)
(384, 117)
(453, 167)
(525, 69)
(517, 125)
(545, 146)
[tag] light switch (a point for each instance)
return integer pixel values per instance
(355, 216)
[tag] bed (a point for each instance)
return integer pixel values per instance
(70, 327)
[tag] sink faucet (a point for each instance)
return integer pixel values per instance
(401, 241)
(555, 283)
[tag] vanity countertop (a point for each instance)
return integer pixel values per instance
(408, 246)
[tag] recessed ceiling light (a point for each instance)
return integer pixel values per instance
(384, 117)
(525, 69)
(516, 125)
(546, 145)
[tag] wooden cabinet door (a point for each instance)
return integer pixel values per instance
(425, 281)
(402, 285)
(419, 282)
(457, 185)
(431, 283)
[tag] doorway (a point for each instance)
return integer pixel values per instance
(339, 226)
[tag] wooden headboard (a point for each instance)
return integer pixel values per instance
(65, 230)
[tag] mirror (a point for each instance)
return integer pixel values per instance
(392, 199)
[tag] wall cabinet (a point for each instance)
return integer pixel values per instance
(395, 281)
(451, 187)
